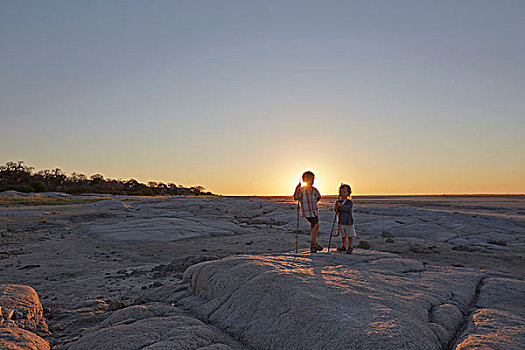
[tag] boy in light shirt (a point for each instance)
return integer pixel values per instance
(308, 196)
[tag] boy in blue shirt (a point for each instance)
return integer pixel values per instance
(344, 207)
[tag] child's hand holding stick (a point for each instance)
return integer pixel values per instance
(336, 208)
(332, 230)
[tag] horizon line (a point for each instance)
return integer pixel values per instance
(383, 195)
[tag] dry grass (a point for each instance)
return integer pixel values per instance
(37, 200)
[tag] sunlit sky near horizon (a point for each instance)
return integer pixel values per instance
(241, 97)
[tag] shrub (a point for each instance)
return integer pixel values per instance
(39, 187)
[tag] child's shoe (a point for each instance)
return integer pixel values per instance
(341, 249)
(349, 250)
(318, 246)
(313, 249)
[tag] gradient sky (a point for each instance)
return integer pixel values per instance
(393, 97)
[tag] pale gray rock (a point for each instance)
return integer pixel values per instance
(13, 194)
(403, 222)
(21, 306)
(111, 204)
(494, 329)
(139, 312)
(162, 229)
(23, 212)
(168, 293)
(152, 326)
(417, 248)
(245, 208)
(54, 195)
(14, 338)
(367, 300)
(502, 293)
(171, 332)
(442, 226)
(116, 305)
(21, 318)
(90, 304)
(387, 234)
(499, 319)
(363, 245)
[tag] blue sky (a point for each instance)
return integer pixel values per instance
(242, 96)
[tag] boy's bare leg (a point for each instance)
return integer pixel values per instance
(350, 242)
(344, 241)
(315, 229)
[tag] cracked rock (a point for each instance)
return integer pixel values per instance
(367, 300)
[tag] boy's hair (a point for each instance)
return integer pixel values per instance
(308, 174)
(347, 187)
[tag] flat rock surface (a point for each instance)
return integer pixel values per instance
(367, 300)
(161, 229)
(86, 261)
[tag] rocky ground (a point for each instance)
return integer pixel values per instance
(114, 274)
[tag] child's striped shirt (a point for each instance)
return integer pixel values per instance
(308, 196)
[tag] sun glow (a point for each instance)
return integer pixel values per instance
(317, 183)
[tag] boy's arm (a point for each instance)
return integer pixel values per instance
(346, 207)
(297, 193)
(317, 195)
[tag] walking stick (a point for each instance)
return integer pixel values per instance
(333, 224)
(332, 230)
(297, 231)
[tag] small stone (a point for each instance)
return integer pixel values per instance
(48, 313)
(463, 248)
(416, 248)
(363, 245)
(387, 234)
(389, 240)
(157, 275)
(10, 315)
(499, 242)
(115, 305)
(28, 267)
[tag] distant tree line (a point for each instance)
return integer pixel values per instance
(19, 177)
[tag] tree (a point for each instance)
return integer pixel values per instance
(19, 177)
(132, 183)
(96, 179)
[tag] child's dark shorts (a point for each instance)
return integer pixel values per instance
(313, 221)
